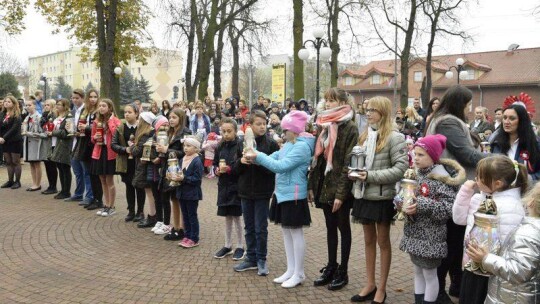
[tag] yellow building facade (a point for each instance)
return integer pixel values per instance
(163, 70)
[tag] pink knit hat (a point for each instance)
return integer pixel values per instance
(295, 121)
(433, 144)
(159, 121)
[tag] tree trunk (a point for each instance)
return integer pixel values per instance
(298, 37)
(405, 55)
(207, 51)
(191, 87)
(218, 58)
(333, 33)
(426, 93)
(236, 63)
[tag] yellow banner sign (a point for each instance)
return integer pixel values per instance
(278, 82)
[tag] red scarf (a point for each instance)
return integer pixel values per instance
(329, 120)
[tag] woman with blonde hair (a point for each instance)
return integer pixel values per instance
(374, 190)
(12, 141)
(412, 116)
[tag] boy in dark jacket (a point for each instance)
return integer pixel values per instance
(255, 188)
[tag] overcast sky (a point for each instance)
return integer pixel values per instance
(494, 25)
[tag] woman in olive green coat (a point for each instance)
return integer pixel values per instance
(328, 185)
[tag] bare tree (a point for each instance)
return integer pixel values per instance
(404, 53)
(443, 22)
(298, 41)
(10, 64)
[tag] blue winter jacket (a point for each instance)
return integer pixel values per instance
(290, 165)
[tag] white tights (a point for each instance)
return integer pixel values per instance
(426, 283)
(295, 249)
(237, 220)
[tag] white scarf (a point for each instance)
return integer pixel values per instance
(370, 144)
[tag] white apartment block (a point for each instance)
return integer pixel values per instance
(163, 70)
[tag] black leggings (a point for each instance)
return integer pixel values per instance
(452, 263)
(166, 203)
(97, 191)
(52, 174)
(133, 193)
(334, 221)
(157, 201)
(64, 172)
(13, 164)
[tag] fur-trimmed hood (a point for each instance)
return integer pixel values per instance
(441, 174)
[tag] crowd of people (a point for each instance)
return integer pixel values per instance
(273, 162)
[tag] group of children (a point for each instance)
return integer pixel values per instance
(501, 183)
(166, 176)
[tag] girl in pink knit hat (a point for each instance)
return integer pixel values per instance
(424, 237)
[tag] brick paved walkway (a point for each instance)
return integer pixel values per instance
(57, 252)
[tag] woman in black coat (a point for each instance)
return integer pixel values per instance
(12, 141)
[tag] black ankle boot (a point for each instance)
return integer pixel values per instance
(149, 221)
(340, 279)
(418, 298)
(7, 184)
(327, 275)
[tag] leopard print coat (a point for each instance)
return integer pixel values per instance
(438, 185)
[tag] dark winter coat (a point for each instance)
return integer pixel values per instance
(62, 151)
(426, 235)
(254, 181)
(176, 147)
(230, 151)
(532, 169)
(10, 130)
(84, 146)
(190, 188)
(336, 184)
(141, 168)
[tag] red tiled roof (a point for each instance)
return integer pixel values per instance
(521, 66)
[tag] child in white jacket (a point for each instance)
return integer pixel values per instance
(503, 180)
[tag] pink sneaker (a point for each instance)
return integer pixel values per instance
(183, 242)
(190, 244)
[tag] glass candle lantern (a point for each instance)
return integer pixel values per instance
(82, 121)
(173, 169)
(101, 131)
(162, 138)
(358, 160)
(147, 150)
(70, 126)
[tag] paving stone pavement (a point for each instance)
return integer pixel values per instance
(57, 252)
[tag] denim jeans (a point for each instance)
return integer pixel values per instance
(191, 221)
(256, 228)
(82, 180)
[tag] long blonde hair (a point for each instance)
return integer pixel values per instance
(143, 128)
(382, 105)
(412, 114)
(15, 110)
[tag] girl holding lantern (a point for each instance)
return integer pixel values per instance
(141, 150)
(424, 237)
(174, 150)
(85, 127)
(47, 125)
(328, 184)
(61, 147)
(386, 161)
(35, 151)
(103, 156)
(125, 163)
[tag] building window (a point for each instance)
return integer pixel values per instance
(376, 79)
(470, 74)
(348, 80)
(418, 77)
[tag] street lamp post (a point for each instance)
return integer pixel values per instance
(43, 82)
(323, 53)
(462, 74)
